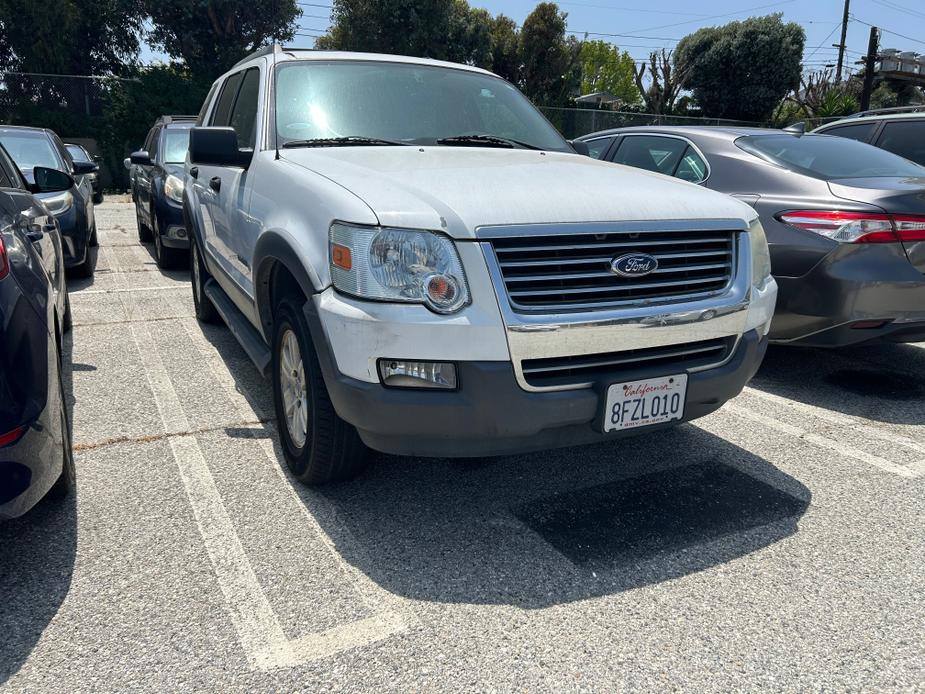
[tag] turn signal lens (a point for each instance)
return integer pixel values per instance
(858, 227)
(341, 257)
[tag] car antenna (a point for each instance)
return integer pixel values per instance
(797, 129)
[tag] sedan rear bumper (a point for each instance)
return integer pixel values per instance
(855, 294)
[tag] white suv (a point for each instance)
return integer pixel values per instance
(424, 266)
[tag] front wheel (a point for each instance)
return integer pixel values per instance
(144, 233)
(202, 304)
(66, 483)
(166, 258)
(319, 446)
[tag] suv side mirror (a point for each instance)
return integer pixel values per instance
(141, 157)
(580, 147)
(50, 180)
(217, 147)
(85, 167)
(127, 163)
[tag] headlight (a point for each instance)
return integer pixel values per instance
(761, 257)
(398, 265)
(59, 203)
(173, 188)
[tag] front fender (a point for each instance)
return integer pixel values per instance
(276, 247)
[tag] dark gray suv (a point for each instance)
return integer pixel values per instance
(900, 130)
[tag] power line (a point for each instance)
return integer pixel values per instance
(899, 8)
(627, 36)
(887, 31)
(828, 36)
(629, 9)
(718, 16)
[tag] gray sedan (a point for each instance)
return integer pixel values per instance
(845, 221)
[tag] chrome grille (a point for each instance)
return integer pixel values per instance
(551, 273)
(585, 369)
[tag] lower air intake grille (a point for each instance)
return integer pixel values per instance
(551, 372)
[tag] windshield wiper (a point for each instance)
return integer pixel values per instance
(484, 141)
(348, 141)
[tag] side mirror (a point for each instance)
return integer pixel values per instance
(141, 157)
(85, 167)
(50, 180)
(127, 163)
(580, 147)
(217, 147)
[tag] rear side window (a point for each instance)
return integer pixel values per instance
(905, 138)
(598, 147)
(659, 154)
(201, 118)
(828, 158)
(692, 167)
(222, 111)
(858, 131)
(244, 112)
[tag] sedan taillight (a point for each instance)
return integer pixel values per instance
(857, 227)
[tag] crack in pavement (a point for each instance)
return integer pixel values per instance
(80, 447)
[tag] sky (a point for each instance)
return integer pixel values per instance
(903, 22)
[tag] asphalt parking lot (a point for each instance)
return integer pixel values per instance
(777, 544)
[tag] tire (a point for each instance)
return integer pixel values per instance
(167, 258)
(68, 321)
(97, 198)
(326, 449)
(205, 310)
(66, 483)
(94, 240)
(144, 233)
(86, 267)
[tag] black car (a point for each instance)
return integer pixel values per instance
(79, 153)
(898, 130)
(158, 188)
(35, 443)
(845, 221)
(73, 208)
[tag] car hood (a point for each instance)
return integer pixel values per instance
(459, 189)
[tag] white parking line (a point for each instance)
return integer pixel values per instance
(915, 469)
(259, 631)
(124, 290)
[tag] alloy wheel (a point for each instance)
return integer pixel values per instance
(292, 387)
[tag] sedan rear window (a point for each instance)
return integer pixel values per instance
(828, 158)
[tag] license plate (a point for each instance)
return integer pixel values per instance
(642, 403)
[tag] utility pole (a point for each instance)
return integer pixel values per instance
(870, 63)
(841, 44)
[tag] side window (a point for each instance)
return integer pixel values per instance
(905, 138)
(7, 178)
(692, 167)
(222, 111)
(63, 153)
(598, 147)
(155, 142)
(148, 145)
(651, 152)
(244, 113)
(201, 118)
(857, 131)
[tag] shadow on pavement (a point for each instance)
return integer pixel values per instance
(882, 382)
(544, 529)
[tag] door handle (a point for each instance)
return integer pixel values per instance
(194, 172)
(215, 183)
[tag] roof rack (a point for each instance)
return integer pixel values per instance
(887, 111)
(267, 50)
(172, 118)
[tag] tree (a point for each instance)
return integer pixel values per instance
(405, 27)
(209, 36)
(605, 69)
(551, 63)
(505, 48)
(470, 36)
(665, 85)
(743, 69)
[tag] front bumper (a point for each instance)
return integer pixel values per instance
(491, 414)
(170, 221)
(854, 283)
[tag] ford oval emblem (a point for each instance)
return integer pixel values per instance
(634, 265)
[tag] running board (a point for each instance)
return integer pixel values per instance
(240, 327)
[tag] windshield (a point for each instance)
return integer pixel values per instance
(30, 149)
(176, 142)
(403, 102)
(77, 153)
(828, 157)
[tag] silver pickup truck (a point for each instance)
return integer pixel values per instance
(422, 265)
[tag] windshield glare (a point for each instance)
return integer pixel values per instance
(828, 157)
(406, 102)
(30, 149)
(176, 143)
